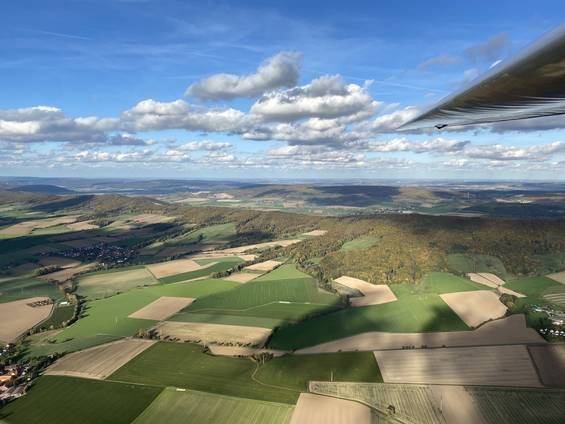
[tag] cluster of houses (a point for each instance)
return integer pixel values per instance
(553, 332)
(105, 254)
(12, 381)
(556, 317)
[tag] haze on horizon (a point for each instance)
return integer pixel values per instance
(140, 88)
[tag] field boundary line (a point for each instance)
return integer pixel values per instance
(254, 378)
(260, 306)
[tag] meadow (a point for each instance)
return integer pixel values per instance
(27, 287)
(102, 284)
(177, 407)
(278, 380)
(410, 313)
(466, 263)
(65, 400)
(363, 242)
(272, 295)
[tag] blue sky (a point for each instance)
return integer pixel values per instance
(260, 89)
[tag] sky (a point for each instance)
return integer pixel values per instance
(262, 89)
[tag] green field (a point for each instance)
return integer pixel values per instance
(283, 284)
(59, 315)
(278, 380)
(533, 287)
(219, 267)
(410, 313)
(185, 365)
(295, 371)
(28, 287)
(41, 344)
(465, 263)
(102, 284)
(283, 272)
(208, 234)
(363, 242)
(65, 400)
(444, 282)
(177, 407)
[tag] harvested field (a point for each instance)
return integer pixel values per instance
(180, 406)
(483, 366)
(550, 363)
(413, 403)
(162, 308)
(26, 227)
(100, 361)
(17, 317)
(151, 218)
(58, 261)
(558, 276)
(453, 404)
(486, 279)
(213, 333)
(263, 266)
(506, 331)
(315, 233)
(241, 277)
(557, 298)
(82, 226)
(179, 266)
(68, 273)
(373, 294)
(475, 307)
(316, 409)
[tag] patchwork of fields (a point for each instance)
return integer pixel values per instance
(316, 339)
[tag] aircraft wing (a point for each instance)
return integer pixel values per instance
(530, 85)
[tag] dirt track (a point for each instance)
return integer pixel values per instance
(485, 366)
(506, 331)
(100, 361)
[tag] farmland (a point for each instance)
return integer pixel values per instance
(19, 316)
(110, 316)
(17, 289)
(485, 366)
(101, 361)
(176, 407)
(410, 313)
(66, 400)
(279, 380)
(273, 295)
(107, 283)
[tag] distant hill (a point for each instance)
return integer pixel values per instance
(42, 188)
